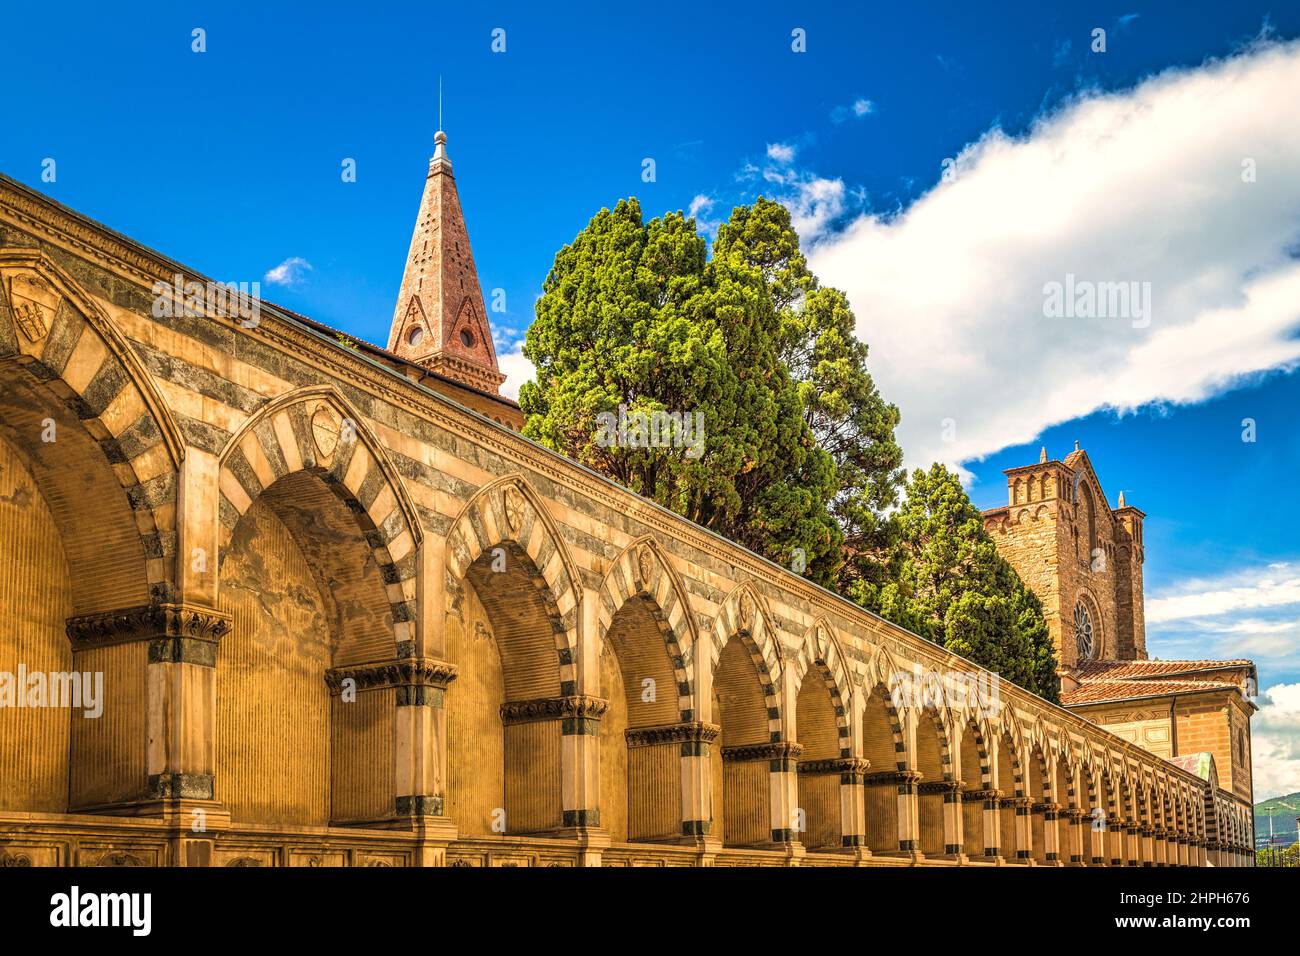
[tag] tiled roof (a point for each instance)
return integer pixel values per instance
(1093, 691)
(1145, 670)
(1125, 680)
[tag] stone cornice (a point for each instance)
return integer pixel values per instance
(406, 672)
(553, 708)
(672, 734)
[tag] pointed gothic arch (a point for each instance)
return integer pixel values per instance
(643, 570)
(509, 510)
(314, 429)
(69, 347)
(743, 615)
(820, 652)
(645, 632)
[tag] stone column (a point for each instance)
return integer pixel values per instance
(579, 714)
(177, 716)
(953, 824)
(1114, 842)
(909, 813)
(1132, 847)
(697, 786)
(1075, 817)
(783, 794)
(980, 821)
(853, 809)
(579, 718)
(697, 768)
(838, 779)
(1146, 844)
(1051, 832)
(1024, 828)
(419, 687)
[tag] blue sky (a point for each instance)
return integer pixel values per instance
(229, 160)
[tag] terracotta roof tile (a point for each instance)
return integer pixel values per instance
(1090, 692)
(1147, 670)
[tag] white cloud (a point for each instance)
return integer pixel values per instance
(1276, 585)
(700, 204)
(857, 109)
(1249, 612)
(1145, 185)
(290, 272)
(815, 205)
(1252, 613)
(1275, 742)
(780, 152)
(516, 368)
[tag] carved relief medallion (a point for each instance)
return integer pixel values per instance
(34, 302)
(325, 429)
(514, 502)
(645, 565)
(744, 608)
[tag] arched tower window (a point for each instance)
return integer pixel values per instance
(1088, 520)
(1085, 638)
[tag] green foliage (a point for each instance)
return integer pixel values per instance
(946, 581)
(818, 345)
(1278, 856)
(799, 456)
(634, 314)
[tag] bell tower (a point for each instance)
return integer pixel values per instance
(440, 321)
(1080, 556)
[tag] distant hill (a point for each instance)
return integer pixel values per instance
(1283, 811)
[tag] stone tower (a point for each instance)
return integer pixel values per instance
(1080, 556)
(440, 321)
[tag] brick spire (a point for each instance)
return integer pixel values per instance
(440, 321)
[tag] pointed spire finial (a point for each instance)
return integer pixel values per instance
(440, 161)
(1042, 454)
(1121, 498)
(1076, 444)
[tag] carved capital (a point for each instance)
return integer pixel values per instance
(419, 680)
(778, 751)
(897, 777)
(572, 707)
(176, 633)
(850, 769)
(938, 786)
(695, 732)
(15, 860)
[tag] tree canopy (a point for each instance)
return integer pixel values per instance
(733, 389)
(945, 580)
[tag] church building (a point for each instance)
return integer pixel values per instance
(277, 597)
(1084, 561)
